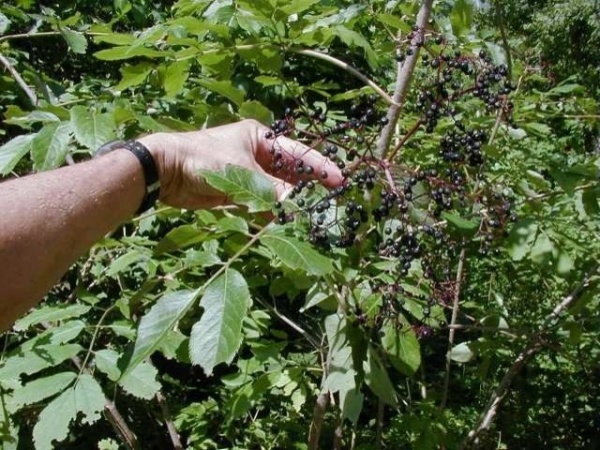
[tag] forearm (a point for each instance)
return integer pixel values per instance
(51, 219)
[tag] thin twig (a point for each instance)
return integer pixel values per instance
(20, 81)
(452, 331)
(533, 346)
(380, 417)
(164, 407)
(403, 79)
(348, 68)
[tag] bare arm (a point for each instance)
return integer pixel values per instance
(51, 219)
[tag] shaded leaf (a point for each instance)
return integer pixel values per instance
(41, 389)
(134, 75)
(243, 186)
(402, 348)
(224, 88)
(296, 254)
(462, 353)
(161, 318)
(76, 41)
(12, 152)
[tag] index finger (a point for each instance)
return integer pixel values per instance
(284, 156)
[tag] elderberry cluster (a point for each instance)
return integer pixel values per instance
(389, 210)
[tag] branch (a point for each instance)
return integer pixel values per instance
(534, 346)
(164, 407)
(405, 72)
(452, 332)
(348, 68)
(119, 424)
(20, 81)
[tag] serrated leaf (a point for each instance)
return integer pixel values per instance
(39, 358)
(402, 348)
(140, 382)
(124, 261)
(40, 389)
(85, 398)
(12, 152)
(133, 75)
(126, 52)
(179, 238)
(296, 254)
(462, 353)
(50, 146)
(244, 186)
(218, 335)
(106, 362)
(466, 226)
(92, 129)
(224, 88)
(50, 314)
(161, 318)
(377, 378)
(256, 110)
(76, 41)
(297, 6)
(461, 17)
(175, 77)
(55, 335)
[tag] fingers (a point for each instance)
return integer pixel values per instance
(294, 161)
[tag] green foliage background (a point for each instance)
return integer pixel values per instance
(140, 323)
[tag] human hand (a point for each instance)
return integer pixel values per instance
(180, 157)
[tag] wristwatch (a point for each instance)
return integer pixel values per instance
(148, 166)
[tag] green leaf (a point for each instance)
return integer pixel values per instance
(76, 41)
(542, 249)
(140, 382)
(224, 88)
(377, 378)
(124, 261)
(521, 238)
(50, 146)
(40, 358)
(296, 254)
(461, 224)
(256, 110)
(218, 335)
(50, 314)
(402, 348)
(161, 318)
(106, 362)
(179, 238)
(461, 17)
(92, 129)
(175, 77)
(41, 389)
(134, 75)
(86, 398)
(12, 152)
(297, 6)
(243, 186)
(462, 353)
(126, 52)
(4, 23)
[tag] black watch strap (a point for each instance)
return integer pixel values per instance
(148, 167)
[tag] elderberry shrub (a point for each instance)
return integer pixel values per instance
(393, 218)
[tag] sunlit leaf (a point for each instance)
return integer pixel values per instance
(218, 335)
